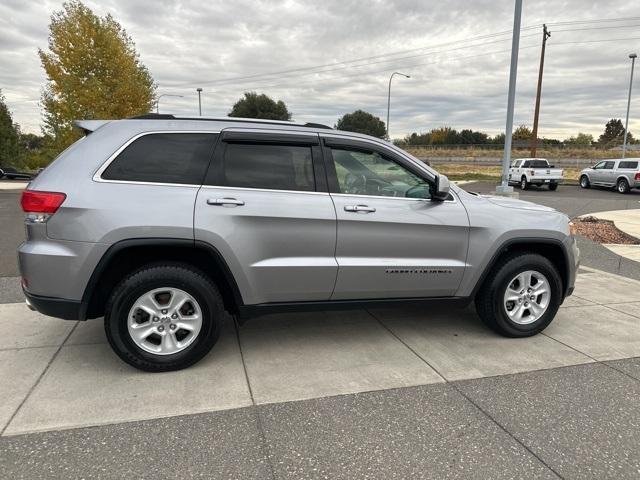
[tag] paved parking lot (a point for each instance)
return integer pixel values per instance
(384, 393)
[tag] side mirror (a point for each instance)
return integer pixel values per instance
(441, 192)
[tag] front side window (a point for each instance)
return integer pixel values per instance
(369, 173)
(164, 158)
(272, 167)
(599, 165)
(608, 165)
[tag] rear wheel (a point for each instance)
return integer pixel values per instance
(521, 295)
(623, 186)
(584, 181)
(553, 187)
(523, 183)
(164, 317)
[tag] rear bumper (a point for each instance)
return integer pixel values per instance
(56, 307)
(545, 181)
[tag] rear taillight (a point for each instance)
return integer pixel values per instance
(637, 177)
(39, 206)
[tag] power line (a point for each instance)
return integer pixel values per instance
(596, 41)
(315, 67)
(320, 72)
(391, 68)
(597, 28)
(600, 20)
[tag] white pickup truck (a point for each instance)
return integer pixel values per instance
(534, 171)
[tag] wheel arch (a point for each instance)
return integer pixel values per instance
(623, 177)
(127, 256)
(550, 248)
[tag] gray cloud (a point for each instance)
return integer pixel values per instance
(190, 44)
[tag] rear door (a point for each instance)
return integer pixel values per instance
(393, 241)
(265, 208)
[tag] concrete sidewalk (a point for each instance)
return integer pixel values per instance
(59, 374)
(627, 221)
(386, 393)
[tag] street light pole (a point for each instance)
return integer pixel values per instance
(199, 90)
(633, 57)
(504, 187)
(165, 95)
(389, 99)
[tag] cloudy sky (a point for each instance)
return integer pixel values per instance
(328, 58)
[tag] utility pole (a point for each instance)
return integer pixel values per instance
(534, 134)
(633, 57)
(199, 90)
(504, 188)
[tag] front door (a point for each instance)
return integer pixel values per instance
(393, 240)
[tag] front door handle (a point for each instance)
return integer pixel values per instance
(225, 201)
(359, 208)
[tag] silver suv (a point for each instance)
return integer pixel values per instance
(161, 223)
(623, 174)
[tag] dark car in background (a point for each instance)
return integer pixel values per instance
(13, 174)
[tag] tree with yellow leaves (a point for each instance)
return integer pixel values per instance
(94, 72)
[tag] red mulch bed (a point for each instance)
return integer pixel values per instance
(602, 231)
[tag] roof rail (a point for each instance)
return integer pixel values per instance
(153, 116)
(169, 116)
(317, 125)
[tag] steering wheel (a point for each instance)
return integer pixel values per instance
(421, 190)
(355, 183)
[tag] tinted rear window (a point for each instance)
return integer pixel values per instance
(633, 165)
(164, 158)
(274, 167)
(538, 164)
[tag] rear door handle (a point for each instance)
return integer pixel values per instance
(225, 201)
(359, 208)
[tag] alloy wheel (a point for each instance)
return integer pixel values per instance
(164, 321)
(527, 297)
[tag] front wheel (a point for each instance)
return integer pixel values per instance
(584, 182)
(623, 186)
(164, 317)
(521, 295)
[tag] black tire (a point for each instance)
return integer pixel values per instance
(489, 300)
(553, 187)
(178, 276)
(584, 182)
(523, 183)
(623, 186)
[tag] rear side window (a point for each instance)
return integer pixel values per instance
(164, 158)
(632, 165)
(273, 167)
